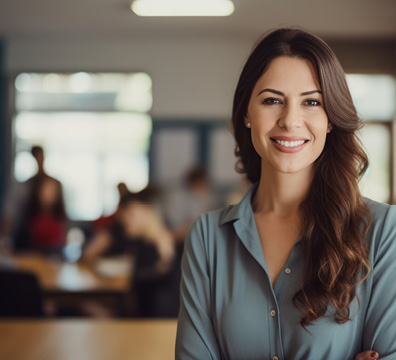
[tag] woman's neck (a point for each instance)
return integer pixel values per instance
(281, 193)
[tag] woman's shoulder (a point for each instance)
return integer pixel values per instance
(381, 212)
(382, 233)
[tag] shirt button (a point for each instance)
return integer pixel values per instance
(287, 271)
(273, 313)
(275, 358)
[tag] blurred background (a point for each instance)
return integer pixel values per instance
(128, 112)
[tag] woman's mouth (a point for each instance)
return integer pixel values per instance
(290, 145)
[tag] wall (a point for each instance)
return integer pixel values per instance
(193, 77)
(366, 56)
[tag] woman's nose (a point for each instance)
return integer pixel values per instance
(290, 117)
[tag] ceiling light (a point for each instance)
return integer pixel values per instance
(182, 7)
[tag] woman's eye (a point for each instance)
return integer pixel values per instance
(272, 101)
(312, 102)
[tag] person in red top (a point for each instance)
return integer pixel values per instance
(47, 219)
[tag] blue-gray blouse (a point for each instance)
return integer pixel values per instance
(229, 309)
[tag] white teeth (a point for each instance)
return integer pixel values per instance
(290, 143)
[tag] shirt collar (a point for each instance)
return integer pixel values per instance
(235, 212)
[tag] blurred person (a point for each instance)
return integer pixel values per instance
(303, 267)
(139, 231)
(194, 198)
(104, 221)
(46, 216)
(136, 220)
(15, 229)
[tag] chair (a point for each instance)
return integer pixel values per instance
(20, 294)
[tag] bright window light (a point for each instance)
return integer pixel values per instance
(182, 7)
(373, 95)
(95, 129)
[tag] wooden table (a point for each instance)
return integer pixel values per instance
(87, 340)
(71, 285)
(57, 276)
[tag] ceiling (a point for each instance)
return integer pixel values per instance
(113, 19)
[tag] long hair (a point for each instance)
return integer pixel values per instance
(335, 216)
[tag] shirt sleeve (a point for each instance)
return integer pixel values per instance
(380, 325)
(196, 338)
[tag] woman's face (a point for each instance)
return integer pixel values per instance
(287, 118)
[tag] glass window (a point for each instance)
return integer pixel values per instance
(373, 95)
(375, 99)
(375, 184)
(95, 131)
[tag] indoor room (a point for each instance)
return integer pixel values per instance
(117, 131)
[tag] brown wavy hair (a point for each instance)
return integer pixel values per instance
(335, 217)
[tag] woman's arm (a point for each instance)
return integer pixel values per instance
(196, 338)
(380, 324)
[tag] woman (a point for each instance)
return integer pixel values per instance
(137, 225)
(138, 230)
(303, 267)
(47, 222)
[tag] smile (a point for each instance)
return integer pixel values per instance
(290, 143)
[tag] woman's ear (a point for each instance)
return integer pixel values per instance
(329, 128)
(247, 122)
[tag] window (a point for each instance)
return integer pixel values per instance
(375, 100)
(95, 130)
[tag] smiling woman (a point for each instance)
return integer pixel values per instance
(287, 116)
(301, 267)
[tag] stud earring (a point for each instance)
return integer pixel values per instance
(248, 125)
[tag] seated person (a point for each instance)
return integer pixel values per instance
(106, 221)
(138, 230)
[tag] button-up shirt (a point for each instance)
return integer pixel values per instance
(229, 309)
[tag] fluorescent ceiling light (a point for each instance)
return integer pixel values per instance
(182, 7)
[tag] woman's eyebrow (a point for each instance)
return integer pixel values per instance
(273, 91)
(310, 92)
(277, 92)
